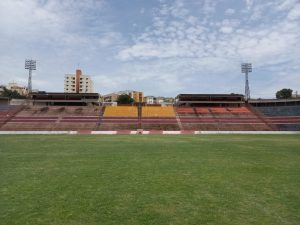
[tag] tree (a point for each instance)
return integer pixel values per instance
(125, 99)
(11, 94)
(284, 93)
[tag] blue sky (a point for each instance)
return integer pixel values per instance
(161, 47)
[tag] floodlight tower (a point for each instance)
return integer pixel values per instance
(246, 68)
(30, 65)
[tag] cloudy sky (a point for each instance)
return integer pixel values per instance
(162, 47)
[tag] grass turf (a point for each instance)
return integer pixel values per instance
(205, 179)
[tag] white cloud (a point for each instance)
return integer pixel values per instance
(223, 43)
(190, 46)
(286, 4)
(226, 29)
(294, 14)
(209, 7)
(58, 34)
(249, 3)
(229, 11)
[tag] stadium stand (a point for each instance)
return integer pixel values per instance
(193, 112)
(7, 112)
(159, 118)
(220, 118)
(119, 118)
(283, 117)
(126, 118)
(54, 118)
(158, 111)
(120, 111)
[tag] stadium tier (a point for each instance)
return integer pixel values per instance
(159, 118)
(220, 118)
(7, 112)
(227, 114)
(283, 117)
(119, 118)
(54, 118)
(120, 111)
(126, 118)
(158, 111)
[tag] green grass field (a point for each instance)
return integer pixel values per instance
(204, 179)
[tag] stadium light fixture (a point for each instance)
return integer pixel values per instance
(30, 65)
(246, 68)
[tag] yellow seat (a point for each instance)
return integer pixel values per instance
(157, 111)
(120, 111)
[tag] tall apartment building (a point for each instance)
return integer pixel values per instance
(78, 83)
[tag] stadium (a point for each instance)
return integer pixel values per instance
(206, 159)
(191, 113)
(160, 129)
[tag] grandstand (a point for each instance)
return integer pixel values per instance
(220, 118)
(159, 118)
(282, 114)
(53, 118)
(121, 111)
(198, 113)
(218, 112)
(7, 112)
(158, 111)
(214, 100)
(64, 99)
(119, 118)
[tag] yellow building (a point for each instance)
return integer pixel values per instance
(22, 90)
(138, 96)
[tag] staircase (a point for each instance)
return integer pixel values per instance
(195, 111)
(11, 114)
(100, 117)
(178, 119)
(261, 117)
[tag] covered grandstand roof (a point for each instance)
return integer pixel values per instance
(209, 98)
(275, 102)
(61, 97)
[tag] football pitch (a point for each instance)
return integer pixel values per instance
(123, 179)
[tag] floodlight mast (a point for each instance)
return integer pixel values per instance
(30, 65)
(246, 68)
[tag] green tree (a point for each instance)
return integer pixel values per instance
(284, 93)
(125, 99)
(11, 94)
